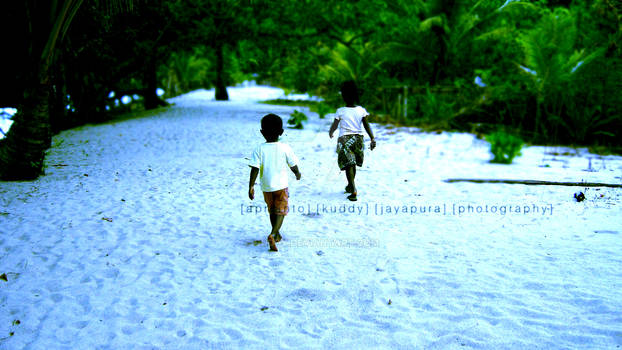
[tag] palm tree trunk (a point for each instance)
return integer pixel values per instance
(151, 78)
(441, 62)
(23, 150)
(538, 119)
(221, 87)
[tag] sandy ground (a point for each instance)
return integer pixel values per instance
(141, 236)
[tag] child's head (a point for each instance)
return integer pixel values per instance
(271, 127)
(350, 93)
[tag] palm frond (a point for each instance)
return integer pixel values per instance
(396, 52)
(73, 10)
(436, 21)
(519, 6)
(495, 34)
(354, 63)
(549, 50)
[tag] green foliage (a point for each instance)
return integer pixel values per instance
(550, 53)
(187, 71)
(322, 109)
(551, 69)
(566, 105)
(361, 63)
(296, 119)
(436, 110)
(504, 146)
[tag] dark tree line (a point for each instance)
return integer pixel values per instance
(549, 69)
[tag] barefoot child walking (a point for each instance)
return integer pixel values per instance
(270, 161)
(351, 120)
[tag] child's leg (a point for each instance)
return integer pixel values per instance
(357, 153)
(350, 174)
(278, 204)
(276, 226)
(278, 221)
(273, 219)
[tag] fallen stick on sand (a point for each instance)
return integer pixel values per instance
(536, 182)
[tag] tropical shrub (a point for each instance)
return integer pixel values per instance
(296, 119)
(434, 110)
(504, 146)
(322, 109)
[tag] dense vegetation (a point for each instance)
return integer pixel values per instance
(547, 70)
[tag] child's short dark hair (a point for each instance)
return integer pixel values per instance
(272, 124)
(349, 92)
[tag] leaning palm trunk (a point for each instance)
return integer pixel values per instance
(23, 150)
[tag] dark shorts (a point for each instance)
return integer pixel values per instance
(277, 201)
(350, 150)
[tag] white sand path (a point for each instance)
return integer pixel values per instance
(139, 236)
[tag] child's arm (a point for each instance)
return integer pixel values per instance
(333, 127)
(251, 182)
(369, 132)
(294, 169)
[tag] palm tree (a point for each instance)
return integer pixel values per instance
(443, 38)
(552, 64)
(440, 48)
(361, 63)
(23, 150)
(220, 26)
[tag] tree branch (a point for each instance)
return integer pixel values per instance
(536, 182)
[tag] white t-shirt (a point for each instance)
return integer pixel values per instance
(351, 120)
(273, 160)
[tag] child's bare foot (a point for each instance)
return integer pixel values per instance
(277, 237)
(272, 243)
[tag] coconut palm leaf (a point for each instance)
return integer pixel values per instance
(355, 63)
(518, 6)
(549, 51)
(437, 21)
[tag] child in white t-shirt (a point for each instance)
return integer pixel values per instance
(351, 120)
(270, 161)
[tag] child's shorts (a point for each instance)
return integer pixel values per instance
(350, 150)
(277, 201)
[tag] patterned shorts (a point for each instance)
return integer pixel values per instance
(277, 201)
(350, 150)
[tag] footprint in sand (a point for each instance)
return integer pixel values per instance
(57, 298)
(85, 302)
(112, 273)
(80, 324)
(233, 334)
